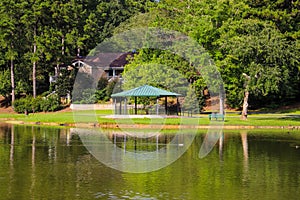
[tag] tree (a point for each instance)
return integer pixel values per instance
(34, 17)
(259, 50)
(9, 25)
(64, 83)
(258, 38)
(106, 16)
(157, 69)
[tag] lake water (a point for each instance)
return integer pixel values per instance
(53, 163)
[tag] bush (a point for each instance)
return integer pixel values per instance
(31, 105)
(27, 104)
(50, 103)
(34, 103)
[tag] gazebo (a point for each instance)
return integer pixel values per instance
(143, 91)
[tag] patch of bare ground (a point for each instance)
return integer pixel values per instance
(4, 108)
(7, 110)
(66, 109)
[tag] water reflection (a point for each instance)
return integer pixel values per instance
(241, 165)
(11, 158)
(211, 138)
(139, 144)
(245, 149)
(132, 153)
(221, 144)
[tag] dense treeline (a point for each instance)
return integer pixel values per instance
(255, 44)
(36, 36)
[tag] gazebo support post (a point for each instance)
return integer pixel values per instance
(125, 106)
(125, 143)
(157, 108)
(120, 109)
(166, 105)
(177, 103)
(115, 105)
(135, 105)
(157, 137)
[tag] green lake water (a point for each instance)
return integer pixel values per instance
(53, 163)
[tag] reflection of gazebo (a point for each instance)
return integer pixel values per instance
(142, 91)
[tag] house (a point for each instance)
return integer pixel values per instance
(111, 64)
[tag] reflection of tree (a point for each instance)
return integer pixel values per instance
(33, 172)
(33, 148)
(245, 148)
(11, 155)
(12, 143)
(221, 144)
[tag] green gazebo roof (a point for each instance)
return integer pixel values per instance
(145, 91)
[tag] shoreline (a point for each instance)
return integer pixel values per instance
(145, 126)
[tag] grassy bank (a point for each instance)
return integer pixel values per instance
(275, 119)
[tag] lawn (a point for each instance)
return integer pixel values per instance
(69, 117)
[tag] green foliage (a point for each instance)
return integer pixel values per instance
(102, 83)
(191, 102)
(5, 84)
(112, 87)
(160, 69)
(102, 93)
(50, 103)
(165, 70)
(259, 50)
(51, 33)
(258, 38)
(102, 87)
(21, 105)
(88, 96)
(30, 105)
(64, 83)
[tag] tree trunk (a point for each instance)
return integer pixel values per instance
(78, 51)
(245, 106)
(221, 101)
(63, 45)
(221, 104)
(34, 65)
(12, 79)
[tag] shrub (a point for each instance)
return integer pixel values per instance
(20, 105)
(54, 102)
(24, 105)
(30, 104)
(35, 104)
(50, 103)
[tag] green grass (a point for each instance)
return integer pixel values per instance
(277, 119)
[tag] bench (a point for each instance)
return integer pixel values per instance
(216, 116)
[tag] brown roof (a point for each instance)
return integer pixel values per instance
(106, 59)
(122, 60)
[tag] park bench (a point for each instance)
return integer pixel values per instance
(216, 116)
